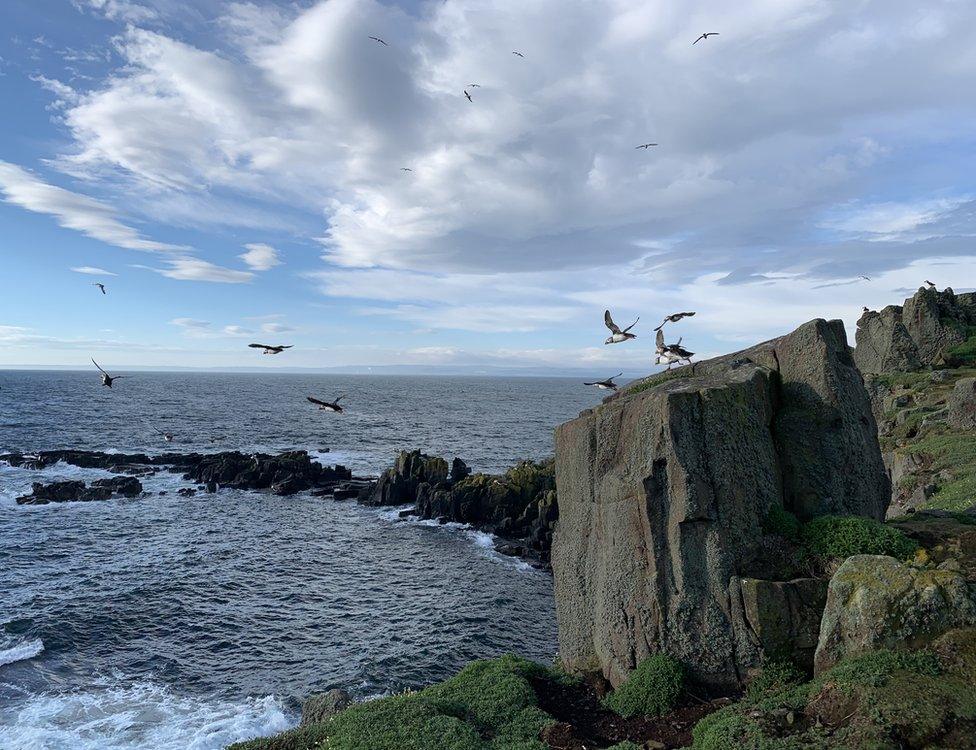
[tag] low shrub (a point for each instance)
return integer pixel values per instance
(781, 522)
(775, 676)
(843, 536)
(652, 689)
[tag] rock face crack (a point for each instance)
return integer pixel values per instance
(663, 493)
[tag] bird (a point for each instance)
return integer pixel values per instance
(674, 318)
(474, 85)
(377, 39)
(468, 95)
(661, 349)
(167, 436)
(107, 379)
(519, 54)
(270, 349)
(618, 335)
(704, 36)
(606, 385)
(645, 145)
(326, 405)
(405, 169)
(680, 352)
(100, 286)
(864, 309)
(930, 284)
(866, 278)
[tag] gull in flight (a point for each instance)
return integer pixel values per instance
(646, 145)
(377, 39)
(100, 286)
(468, 95)
(474, 85)
(617, 335)
(107, 379)
(405, 169)
(866, 278)
(606, 385)
(327, 405)
(270, 349)
(704, 36)
(674, 318)
(519, 54)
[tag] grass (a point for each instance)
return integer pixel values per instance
(661, 377)
(965, 353)
(957, 453)
(843, 536)
(488, 705)
(651, 690)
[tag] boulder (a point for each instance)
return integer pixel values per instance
(323, 706)
(399, 485)
(920, 333)
(962, 405)
(77, 491)
(874, 601)
(664, 488)
(284, 474)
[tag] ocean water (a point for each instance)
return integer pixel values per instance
(171, 623)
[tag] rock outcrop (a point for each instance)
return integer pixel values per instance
(920, 333)
(962, 405)
(876, 602)
(518, 505)
(76, 491)
(664, 488)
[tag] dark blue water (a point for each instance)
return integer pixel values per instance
(169, 623)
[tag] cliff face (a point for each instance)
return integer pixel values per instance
(920, 333)
(664, 488)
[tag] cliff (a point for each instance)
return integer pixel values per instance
(664, 491)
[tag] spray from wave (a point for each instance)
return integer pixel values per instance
(21, 651)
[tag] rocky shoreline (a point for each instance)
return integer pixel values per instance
(518, 507)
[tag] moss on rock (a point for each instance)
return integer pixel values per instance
(843, 536)
(650, 690)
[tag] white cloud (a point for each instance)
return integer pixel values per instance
(72, 210)
(191, 323)
(275, 328)
(260, 257)
(195, 269)
(237, 331)
(890, 221)
(93, 271)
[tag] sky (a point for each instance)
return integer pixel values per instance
(235, 172)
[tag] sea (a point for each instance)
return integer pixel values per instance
(188, 623)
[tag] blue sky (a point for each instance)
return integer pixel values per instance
(232, 173)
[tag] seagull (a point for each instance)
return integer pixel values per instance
(107, 379)
(474, 85)
(674, 318)
(606, 385)
(327, 405)
(100, 286)
(618, 335)
(866, 278)
(377, 39)
(468, 95)
(931, 285)
(519, 54)
(704, 36)
(270, 349)
(646, 145)
(167, 436)
(405, 169)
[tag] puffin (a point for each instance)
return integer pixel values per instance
(107, 379)
(673, 318)
(617, 335)
(271, 349)
(332, 406)
(606, 385)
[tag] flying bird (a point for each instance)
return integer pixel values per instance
(474, 85)
(674, 318)
(646, 145)
(100, 286)
(704, 36)
(931, 285)
(377, 39)
(405, 169)
(270, 349)
(167, 436)
(617, 335)
(866, 278)
(678, 351)
(606, 385)
(519, 54)
(468, 95)
(327, 405)
(107, 379)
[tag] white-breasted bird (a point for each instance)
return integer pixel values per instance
(616, 334)
(326, 405)
(270, 349)
(606, 385)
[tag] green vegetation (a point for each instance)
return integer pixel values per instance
(489, 705)
(883, 699)
(661, 377)
(965, 353)
(781, 522)
(955, 452)
(843, 536)
(652, 689)
(625, 745)
(776, 675)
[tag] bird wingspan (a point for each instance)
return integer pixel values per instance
(632, 324)
(98, 365)
(659, 341)
(258, 346)
(315, 401)
(282, 346)
(609, 322)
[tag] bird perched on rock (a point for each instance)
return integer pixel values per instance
(326, 405)
(270, 349)
(929, 284)
(606, 385)
(107, 379)
(673, 318)
(616, 334)
(704, 36)
(865, 309)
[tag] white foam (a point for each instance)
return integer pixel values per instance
(21, 651)
(137, 715)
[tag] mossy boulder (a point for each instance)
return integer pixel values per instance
(874, 601)
(843, 536)
(651, 690)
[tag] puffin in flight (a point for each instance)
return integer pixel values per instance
(107, 379)
(606, 385)
(673, 318)
(270, 349)
(326, 405)
(100, 286)
(617, 335)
